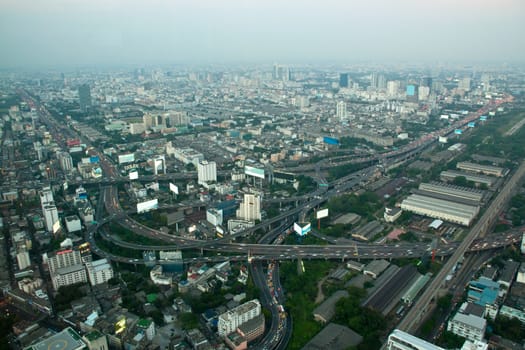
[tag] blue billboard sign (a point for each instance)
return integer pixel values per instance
(471, 124)
(483, 118)
(94, 159)
(458, 131)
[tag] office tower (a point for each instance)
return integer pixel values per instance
(423, 92)
(84, 97)
(281, 72)
(250, 208)
(231, 320)
(377, 81)
(411, 93)
(341, 110)
(343, 80)
(206, 172)
(66, 161)
(50, 215)
(392, 87)
(159, 165)
(427, 81)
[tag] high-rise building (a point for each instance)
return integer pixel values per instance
(464, 84)
(84, 97)
(341, 112)
(66, 161)
(411, 93)
(99, 271)
(378, 81)
(206, 172)
(50, 215)
(46, 196)
(392, 88)
(281, 72)
(63, 258)
(399, 340)
(250, 208)
(231, 320)
(343, 80)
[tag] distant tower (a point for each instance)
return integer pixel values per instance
(343, 80)
(523, 244)
(84, 97)
(341, 110)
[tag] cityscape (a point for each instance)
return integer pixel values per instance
(241, 196)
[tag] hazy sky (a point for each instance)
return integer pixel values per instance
(80, 32)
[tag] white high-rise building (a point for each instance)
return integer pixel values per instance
(250, 208)
(50, 215)
(206, 172)
(63, 258)
(46, 196)
(392, 88)
(23, 260)
(66, 161)
(399, 340)
(341, 112)
(67, 276)
(159, 165)
(99, 271)
(231, 320)
(523, 243)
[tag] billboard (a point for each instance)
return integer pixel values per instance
(330, 140)
(322, 213)
(483, 118)
(443, 139)
(252, 171)
(471, 124)
(56, 227)
(143, 207)
(174, 188)
(170, 255)
(126, 158)
(94, 159)
(133, 175)
(302, 228)
(458, 131)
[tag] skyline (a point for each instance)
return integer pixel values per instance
(57, 32)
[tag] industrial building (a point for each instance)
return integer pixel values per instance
(481, 169)
(450, 175)
(440, 209)
(455, 193)
(334, 337)
(326, 310)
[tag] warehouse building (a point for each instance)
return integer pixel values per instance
(481, 169)
(450, 175)
(440, 209)
(455, 193)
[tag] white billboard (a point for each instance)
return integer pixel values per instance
(174, 188)
(170, 255)
(302, 229)
(126, 158)
(133, 175)
(147, 205)
(323, 213)
(443, 139)
(252, 171)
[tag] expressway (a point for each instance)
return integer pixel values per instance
(424, 303)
